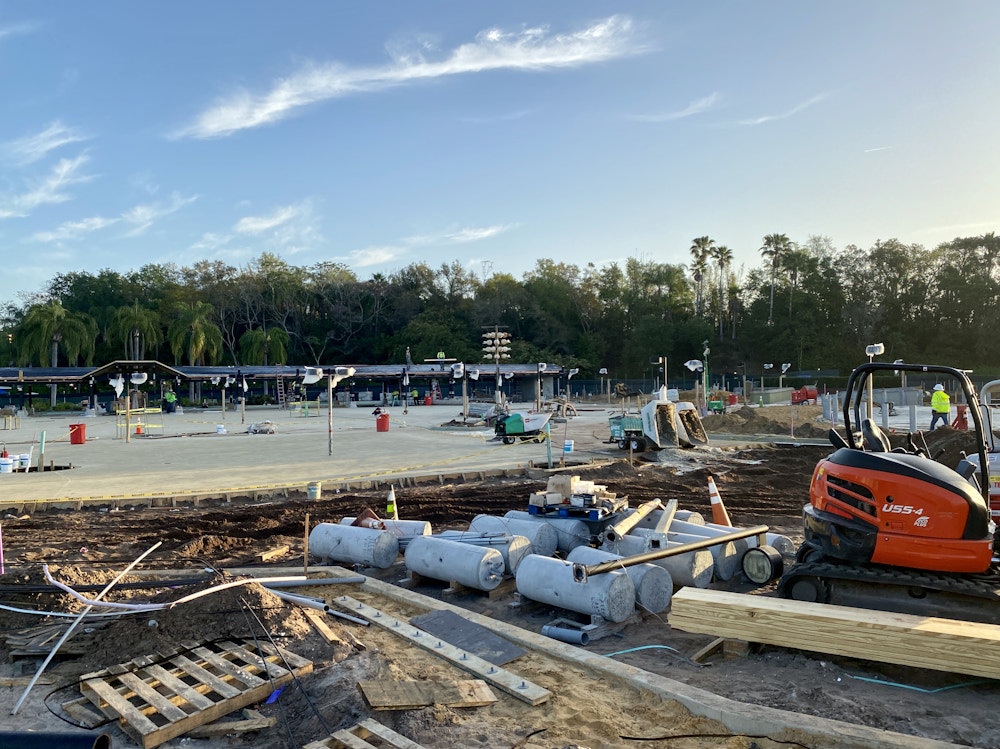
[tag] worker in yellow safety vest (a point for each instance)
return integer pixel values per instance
(940, 406)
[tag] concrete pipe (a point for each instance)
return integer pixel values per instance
(727, 558)
(401, 528)
(512, 548)
(543, 537)
(782, 544)
(650, 521)
(653, 584)
(610, 595)
(570, 532)
(692, 568)
(348, 543)
(438, 558)
(708, 531)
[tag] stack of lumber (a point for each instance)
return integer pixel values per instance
(922, 642)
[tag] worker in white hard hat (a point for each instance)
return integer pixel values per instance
(940, 406)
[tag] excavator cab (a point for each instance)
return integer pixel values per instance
(873, 504)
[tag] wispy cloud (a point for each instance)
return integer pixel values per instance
(17, 29)
(695, 107)
(210, 242)
(880, 148)
(532, 49)
(372, 256)
(458, 236)
(32, 148)
(784, 115)
(259, 224)
(50, 189)
(74, 229)
(509, 117)
(141, 217)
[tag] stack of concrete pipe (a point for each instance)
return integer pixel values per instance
(694, 568)
(404, 530)
(512, 548)
(570, 532)
(477, 567)
(543, 537)
(653, 584)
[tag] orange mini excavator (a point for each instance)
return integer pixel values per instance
(892, 529)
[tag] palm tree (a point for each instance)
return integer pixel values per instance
(701, 247)
(193, 332)
(260, 346)
(137, 329)
(775, 246)
(723, 256)
(48, 326)
(796, 262)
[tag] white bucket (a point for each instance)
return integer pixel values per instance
(6, 465)
(313, 490)
(220, 428)
(23, 461)
(568, 446)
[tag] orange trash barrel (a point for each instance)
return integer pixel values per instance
(733, 399)
(77, 434)
(382, 423)
(428, 401)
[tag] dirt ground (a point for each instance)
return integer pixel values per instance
(759, 486)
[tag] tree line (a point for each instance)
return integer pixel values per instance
(808, 304)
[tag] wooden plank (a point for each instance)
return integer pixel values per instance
(317, 620)
(228, 668)
(393, 694)
(277, 551)
(921, 642)
(253, 721)
(502, 679)
(666, 517)
(354, 738)
(191, 695)
(396, 740)
(703, 653)
(157, 701)
(23, 681)
(254, 660)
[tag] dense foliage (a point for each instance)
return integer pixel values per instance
(808, 304)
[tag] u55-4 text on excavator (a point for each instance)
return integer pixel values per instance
(894, 530)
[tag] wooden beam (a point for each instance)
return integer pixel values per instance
(921, 642)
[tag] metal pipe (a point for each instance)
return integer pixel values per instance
(341, 615)
(616, 530)
(582, 572)
(566, 634)
(48, 740)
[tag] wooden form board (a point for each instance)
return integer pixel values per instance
(921, 642)
(355, 738)
(392, 694)
(160, 697)
(500, 678)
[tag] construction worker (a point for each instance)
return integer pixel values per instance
(940, 406)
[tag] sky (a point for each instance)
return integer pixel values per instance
(380, 134)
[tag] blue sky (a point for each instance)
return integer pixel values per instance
(385, 133)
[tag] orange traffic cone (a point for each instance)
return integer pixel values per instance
(138, 429)
(719, 514)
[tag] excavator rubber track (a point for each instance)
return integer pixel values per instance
(906, 591)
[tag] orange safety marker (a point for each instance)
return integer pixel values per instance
(138, 429)
(719, 514)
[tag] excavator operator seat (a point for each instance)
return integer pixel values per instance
(875, 439)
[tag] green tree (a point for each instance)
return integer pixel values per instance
(264, 347)
(193, 333)
(723, 257)
(49, 327)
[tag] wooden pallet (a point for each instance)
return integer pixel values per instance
(162, 696)
(356, 737)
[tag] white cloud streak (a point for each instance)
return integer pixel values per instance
(530, 49)
(17, 29)
(260, 224)
(784, 115)
(141, 217)
(459, 236)
(74, 229)
(32, 148)
(695, 107)
(372, 256)
(51, 189)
